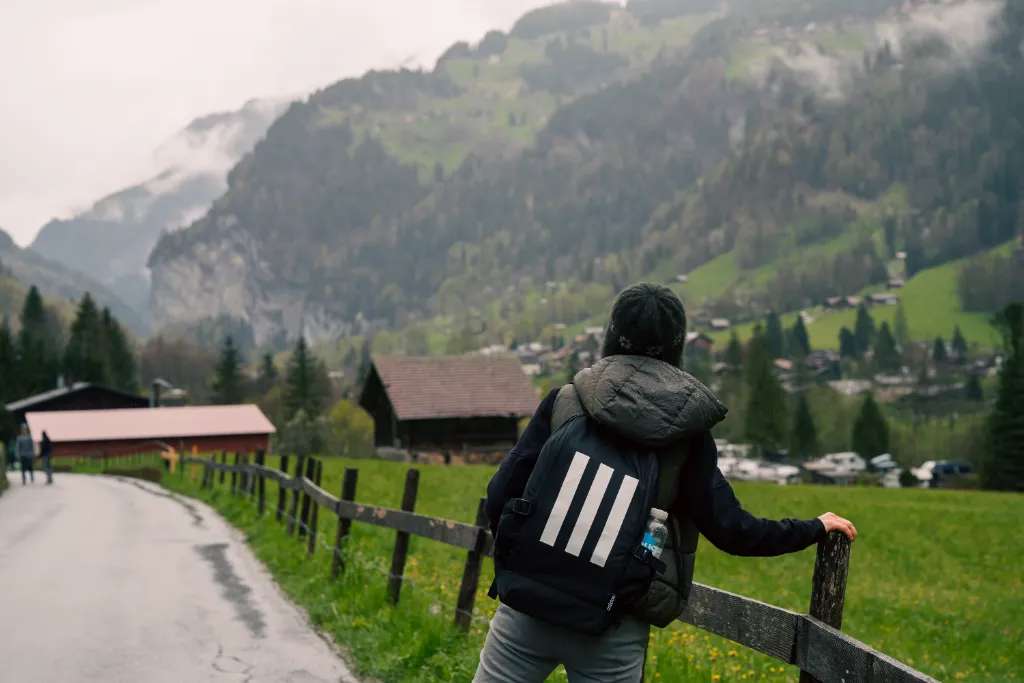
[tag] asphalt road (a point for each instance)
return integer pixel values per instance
(112, 580)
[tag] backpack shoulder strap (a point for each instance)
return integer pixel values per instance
(567, 406)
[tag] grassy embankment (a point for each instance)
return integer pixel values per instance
(934, 580)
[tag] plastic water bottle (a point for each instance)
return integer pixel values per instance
(657, 533)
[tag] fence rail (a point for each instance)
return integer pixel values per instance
(812, 642)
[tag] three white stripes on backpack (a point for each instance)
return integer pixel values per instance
(588, 513)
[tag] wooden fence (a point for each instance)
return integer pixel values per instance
(813, 642)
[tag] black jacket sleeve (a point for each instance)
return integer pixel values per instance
(510, 479)
(711, 504)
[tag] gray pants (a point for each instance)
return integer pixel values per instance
(521, 649)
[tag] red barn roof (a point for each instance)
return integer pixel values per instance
(149, 423)
(434, 387)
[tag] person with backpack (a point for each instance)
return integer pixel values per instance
(596, 510)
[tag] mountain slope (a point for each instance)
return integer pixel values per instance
(112, 240)
(808, 140)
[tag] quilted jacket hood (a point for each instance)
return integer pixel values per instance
(647, 400)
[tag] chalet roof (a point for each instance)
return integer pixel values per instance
(148, 423)
(45, 396)
(434, 387)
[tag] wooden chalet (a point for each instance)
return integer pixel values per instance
(447, 403)
(78, 396)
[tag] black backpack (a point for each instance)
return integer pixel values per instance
(569, 551)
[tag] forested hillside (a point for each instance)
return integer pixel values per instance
(526, 177)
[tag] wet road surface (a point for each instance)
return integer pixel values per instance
(112, 580)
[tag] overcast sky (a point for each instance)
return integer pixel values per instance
(90, 88)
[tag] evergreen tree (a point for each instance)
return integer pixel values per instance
(268, 373)
(973, 390)
(85, 357)
(37, 347)
(1004, 467)
(800, 342)
(887, 356)
(803, 440)
(863, 330)
(306, 383)
(847, 344)
(120, 361)
(774, 337)
(766, 407)
(227, 377)
(870, 435)
(959, 345)
(8, 384)
(939, 354)
(900, 327)
(734, 352)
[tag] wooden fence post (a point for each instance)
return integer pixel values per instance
(828, 586)
(282, 492)
(314, 512)
(412, 481)
(261, 486)
(294, 510)
(306, 500)
(471, 573)
(234, 477)
(348, 492)
(223, 461)
(246, 477)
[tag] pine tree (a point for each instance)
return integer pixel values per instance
(863, 330)
(973, 390)
(306, 384)
(959, 344)
(766, 407)
(268, 373)
(803, 440)
(800, 343)
(887, 356)
(8, 386)
(774, 337)
(734, 353)
(1004, 467)
(939, 354)
(38, 360)
(847, 344)
(900, 327)
(85, 357)
(227, 378)
(120, 361)
(870, 435)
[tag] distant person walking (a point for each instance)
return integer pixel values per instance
(25, 451)
(598, 506)
(45, 451)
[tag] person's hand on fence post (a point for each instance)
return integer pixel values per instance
(834, 522)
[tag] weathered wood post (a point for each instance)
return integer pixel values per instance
(471, 573)
(348, 492)
(828, 586)
(306, 500)
(223, 461)
(261, 485)
(296, 492)
(314, 512)
(246, 476)
(234, 477)
(282, 492)
(412, 482)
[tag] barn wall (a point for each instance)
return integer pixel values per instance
(243, 443)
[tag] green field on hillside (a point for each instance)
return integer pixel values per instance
(934, 579)
(930, 301)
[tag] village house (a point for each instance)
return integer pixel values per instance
(77, 396)
(451, 406)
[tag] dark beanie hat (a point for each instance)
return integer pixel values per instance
(647, 320)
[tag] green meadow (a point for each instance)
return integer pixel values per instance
(935, 579)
